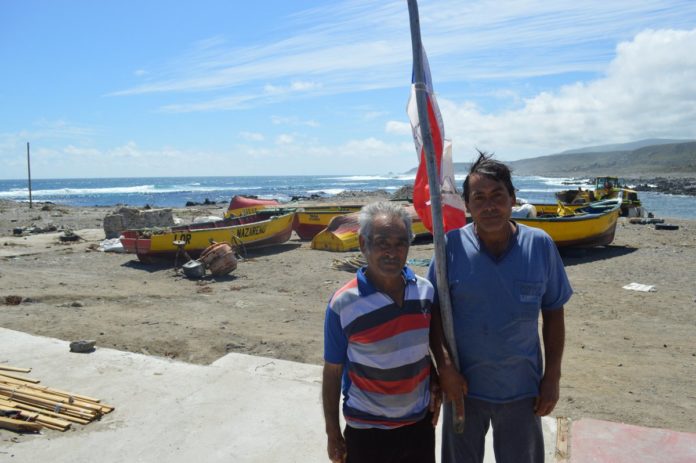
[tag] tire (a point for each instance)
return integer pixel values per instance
(666, 226)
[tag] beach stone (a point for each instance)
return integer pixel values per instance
(405, 193)
(13, 300)
(127, 218)
(68, 236)
(82, 346)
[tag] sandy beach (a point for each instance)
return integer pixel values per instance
(630, 356)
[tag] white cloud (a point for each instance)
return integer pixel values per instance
(273, 89)
(371, 115)
(398, 128)
(357, 46)
(293, 121)
(647, 91)
(251, 136)
(304, 86)
(74, 151)
(302, 155)
(284, 139)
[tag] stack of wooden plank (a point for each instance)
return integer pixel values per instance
(27, 406)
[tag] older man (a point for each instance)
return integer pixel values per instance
(501, 276)
(376, 346)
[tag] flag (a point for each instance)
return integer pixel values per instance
(453, 209)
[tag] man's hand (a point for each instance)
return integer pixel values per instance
(554, 340)
(455, 388)
(336, 447)
(549, 390)
(331, 391)
(435, 399)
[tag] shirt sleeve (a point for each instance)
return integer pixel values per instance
(558, 289)
(335, 340)
(432, 277)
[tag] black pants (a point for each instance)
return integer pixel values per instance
(408, 444)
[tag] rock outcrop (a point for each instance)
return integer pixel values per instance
(129, 217)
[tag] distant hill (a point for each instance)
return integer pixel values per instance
(669, 159)
(634, 145)
(644, 158)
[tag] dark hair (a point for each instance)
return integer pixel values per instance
(495, 170)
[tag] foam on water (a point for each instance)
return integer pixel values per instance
(176, 192)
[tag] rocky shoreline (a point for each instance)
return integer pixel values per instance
(672, 186)
(667, 185)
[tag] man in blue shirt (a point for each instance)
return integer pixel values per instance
(501, 275)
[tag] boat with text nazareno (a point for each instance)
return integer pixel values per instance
(309, 220)
(253, 231)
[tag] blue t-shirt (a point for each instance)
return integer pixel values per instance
(495, 309)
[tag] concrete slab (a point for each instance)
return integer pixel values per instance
(241, 408)
(596, 441)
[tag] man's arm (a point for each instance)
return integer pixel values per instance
(331, 395)
(451, 382)
(553, 331)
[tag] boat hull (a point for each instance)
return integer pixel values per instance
(341, 235)
(583, 230)
(309, 221)
(196, 237)
(243, 205)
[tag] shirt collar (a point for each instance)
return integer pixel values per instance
(365, 287)
(512, 242)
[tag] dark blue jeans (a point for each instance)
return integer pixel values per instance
(517, 434)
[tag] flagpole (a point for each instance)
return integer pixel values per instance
(29, 175)
(435, 198)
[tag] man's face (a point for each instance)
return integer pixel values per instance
(490, 204)
(387, 249)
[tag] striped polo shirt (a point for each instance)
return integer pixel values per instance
(383, 349)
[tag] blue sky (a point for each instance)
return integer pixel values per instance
(132, 88)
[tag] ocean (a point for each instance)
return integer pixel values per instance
(177, 191)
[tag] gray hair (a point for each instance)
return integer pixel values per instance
(391, 210)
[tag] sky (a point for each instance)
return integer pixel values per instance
(275, 87)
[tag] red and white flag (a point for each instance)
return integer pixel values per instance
(453, 209)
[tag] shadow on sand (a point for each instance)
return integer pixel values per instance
(167, 262)
(576, 256)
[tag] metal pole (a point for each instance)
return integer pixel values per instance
(435, 198)
(29, 174)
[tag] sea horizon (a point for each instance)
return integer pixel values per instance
(177, 191)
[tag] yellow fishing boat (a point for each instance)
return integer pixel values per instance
(341, 235)
(244, 205)
(605, 188)
(592, 225)
(252, 231)
(311, 220)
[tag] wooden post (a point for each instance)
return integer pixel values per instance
(435, 198)
(29, 174)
